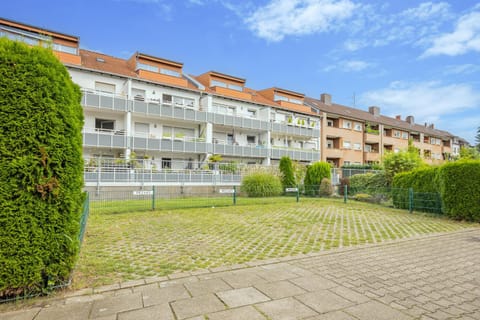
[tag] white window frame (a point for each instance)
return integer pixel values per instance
(347, 145)
(357, 126)
(346, 124)
(357, 146)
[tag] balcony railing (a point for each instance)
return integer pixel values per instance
(101, 100)
(295, 154)
(105, 138)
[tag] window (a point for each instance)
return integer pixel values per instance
(169, 72)
(250, 139)
(230, 140)
(329, 123)
(347, 124)
(166, 163)
(282, 98)
(64, 48)
(396, 134)
(179, 101)
(138, 94)
(166, 98)
(146, 67)
(368, 148)
(404, 135)
(346, 145)
(357, 146)
(251, 113)
(216, 83)
(104, 87)
(329, 144)
(223, 109)
(357, 126)
(104, 124)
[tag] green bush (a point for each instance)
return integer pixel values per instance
(360, 182)
(228, 167)
(459, 184)
(286, 169)
(400, 162)
(41, 169)
(261, 184)
(315, 173)
(424, 183)
(326, 189)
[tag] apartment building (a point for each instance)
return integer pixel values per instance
(148, 108)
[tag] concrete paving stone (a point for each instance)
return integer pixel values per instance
(155, 296)
(207, 286)
(444, 302)
(416, 312)
(242, 279)
(178, 275)
(349, 294)
(146, 287)
(280, 289)
(74, 311)
(157, 312)
(112, 305)
(156, 279)
(276, 274)
(242, 297)
(110, 317)
(28, 314)
(430, 306)
(455, 311)
(196, 306)
(314, 283)
(285, 309)
(110, 287)
(242, 313)
(324, 301)
(122, 292)
(335, 315)
(84, 299)
(468, 307)
(387, 299)
(374, 310)
(440, 315)
(175, 282)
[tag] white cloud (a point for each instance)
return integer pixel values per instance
(281, 18)
(465, 38)
(427, 101)
(349, 66)
(462, 69)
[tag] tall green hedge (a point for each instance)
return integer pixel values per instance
(459, 185)
(288, 176)
(313, 178)
(40, 169)
(424, 183)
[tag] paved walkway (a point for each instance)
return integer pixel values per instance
(433, 277)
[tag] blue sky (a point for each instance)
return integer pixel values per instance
(419, 58)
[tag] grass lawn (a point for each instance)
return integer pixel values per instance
(134, 245)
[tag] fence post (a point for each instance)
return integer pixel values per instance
(234, 195)
(410, 200)
(345, 193)
(298, 194)
(153, 198)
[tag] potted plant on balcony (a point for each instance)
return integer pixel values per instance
(290, 120)
(167, 135)
(179, 136)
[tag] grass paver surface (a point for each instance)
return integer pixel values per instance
(134, 245)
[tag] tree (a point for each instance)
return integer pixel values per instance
(313, 178)
(469, 153)
(41, 169)
(286, 169)
(400, 162)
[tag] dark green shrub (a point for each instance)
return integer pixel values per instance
(459, 184)
(326, 189)
(360, 182)
(261, 184)
(40, 169)
(315, 173)
(286, 169)
(424, 183)
(228, 167)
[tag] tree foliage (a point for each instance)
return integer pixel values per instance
(469, 153)
(401, 161)
(313, 178)
(286, 169)
(40, 168)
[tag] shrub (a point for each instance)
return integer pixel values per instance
(261, 184)
(360, 182)
(315, 173)
(326, 189)
(41, 169)
(364, 197)
(286, 169)
(400, 162)
(423, 181)
(228, 167)
(459, 184)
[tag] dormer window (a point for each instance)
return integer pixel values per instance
(146, 67)
(216, 83)
(278, 97)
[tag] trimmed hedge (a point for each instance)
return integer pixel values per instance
(41, 169)
(288, 176)
(262, 184)
(424, 183)
(459, 185)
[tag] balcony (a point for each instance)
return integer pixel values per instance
(295, 130)
(237, 121)
(372, 156)
(333, 153)
(251, 151)
(295, 154)
(104, 138)
(179, 112)
(94, 99)
(184, 145)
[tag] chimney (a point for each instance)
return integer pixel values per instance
(398, 117)
(431, 126)
(410, 119)
(374, 110)
(326, 98)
